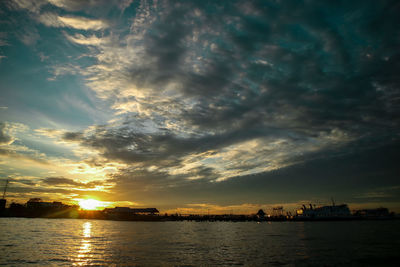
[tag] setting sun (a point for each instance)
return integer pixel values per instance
(91, 204)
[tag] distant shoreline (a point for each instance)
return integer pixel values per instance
(100, 215)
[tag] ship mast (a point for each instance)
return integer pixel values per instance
(5, 189)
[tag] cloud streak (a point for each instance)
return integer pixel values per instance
(80, 23)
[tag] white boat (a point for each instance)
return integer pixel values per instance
(324, 212)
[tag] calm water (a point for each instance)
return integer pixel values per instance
(46, 242)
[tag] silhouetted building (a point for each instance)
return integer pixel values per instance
(16, 208)
(37, 203)
(277, 211)
(3, 204)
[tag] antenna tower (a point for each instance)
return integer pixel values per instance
(5, 189)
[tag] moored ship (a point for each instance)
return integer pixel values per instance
(324, 212)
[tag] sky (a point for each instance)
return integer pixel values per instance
(198, 106)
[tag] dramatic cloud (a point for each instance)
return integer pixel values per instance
(36, 6)
(207, 95)
(81, 23)
(83, 40)
(62, 181)
(254, 93)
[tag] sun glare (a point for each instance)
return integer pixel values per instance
(90, 204)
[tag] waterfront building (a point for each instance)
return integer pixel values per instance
(35, 203)
(3, 204)
(277, 211)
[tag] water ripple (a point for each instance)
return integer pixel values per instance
(65, 242)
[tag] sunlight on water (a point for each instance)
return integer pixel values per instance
(87, 227)
(66, 242)
(83, 255)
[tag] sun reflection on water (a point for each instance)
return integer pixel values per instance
(83, 254)
(87, 229)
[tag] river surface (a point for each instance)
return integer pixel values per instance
(69, 242)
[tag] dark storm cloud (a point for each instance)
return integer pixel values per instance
(62, 181)
(72, 136)
(356, 177)
(322, 65)
(161, 149)
(293, 70)
(154, 186)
